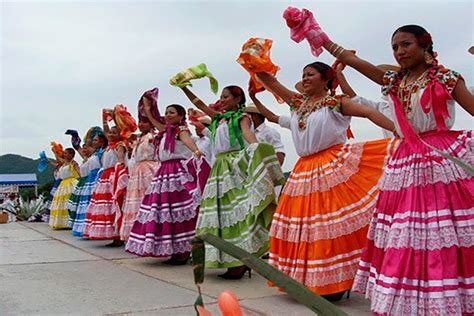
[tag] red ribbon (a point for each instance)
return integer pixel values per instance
(436, 95)
(412, 139)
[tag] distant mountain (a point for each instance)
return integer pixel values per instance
(11, 163)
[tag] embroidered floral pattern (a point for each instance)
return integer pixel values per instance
(393, 83)
(304, 107)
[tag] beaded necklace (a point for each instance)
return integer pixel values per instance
(406, 90)
(304, 107)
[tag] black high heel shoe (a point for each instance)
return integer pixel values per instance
(335, 297)
(231, 275)
(115, 243)
(178, 260)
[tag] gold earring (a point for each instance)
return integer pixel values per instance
(428, 58)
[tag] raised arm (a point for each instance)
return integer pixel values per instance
(247, 133)
(105, 123)
(272, 83)
(462, 96)
(349, 58)
(76, 167)
(269, 115)
(198, 103)
(147, 107)
(60, 160)
(79, 151)
(351, 108)
(345, 86)
(53, 163)
(187, 140)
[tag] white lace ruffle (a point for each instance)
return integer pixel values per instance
(252, 243)
(96, 208)
(413, 170)
(316, 279)
(219, 185)
(402, 304)
(168, 214)
(100, 232)
(159, 249)
(424, 239)
(321, 230)
(337, 172)
(238, 210)
(222, 183)
(170, 183)
(257, 183)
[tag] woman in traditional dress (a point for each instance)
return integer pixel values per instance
(85, 152)
(57, 181)
(142, 170)
(320, 225)
(239, 198)
(166, 221)
(92, 168)
(102, 219)
(68, 173)
(418, 260)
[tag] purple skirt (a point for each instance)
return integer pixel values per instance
(166, 221)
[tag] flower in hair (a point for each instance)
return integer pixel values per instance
(330, 74)
(425, 40)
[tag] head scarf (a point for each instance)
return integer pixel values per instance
(152, 95)
(124, 121)
(43, 163)
(183, 78)
(75, 139)
(57, 149)
(255, 58)
(303, 26)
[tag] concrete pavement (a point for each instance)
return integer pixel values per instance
(47, 272)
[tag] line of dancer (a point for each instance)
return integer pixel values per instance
(392, 218)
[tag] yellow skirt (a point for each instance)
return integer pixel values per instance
(59, 212)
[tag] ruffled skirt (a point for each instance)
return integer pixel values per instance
(320, 225)
(239, 201)
(166, 221)
(420, 254)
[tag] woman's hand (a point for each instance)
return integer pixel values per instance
(146, 104)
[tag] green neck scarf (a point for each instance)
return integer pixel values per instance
(232, 118)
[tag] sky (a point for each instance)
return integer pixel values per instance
(61, 62)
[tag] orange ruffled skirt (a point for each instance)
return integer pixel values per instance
(320, 225)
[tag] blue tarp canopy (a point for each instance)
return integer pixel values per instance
(19, 179)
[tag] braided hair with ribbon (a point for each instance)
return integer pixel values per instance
(434, 97)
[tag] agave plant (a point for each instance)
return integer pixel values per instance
(293, 288)
(27, 208)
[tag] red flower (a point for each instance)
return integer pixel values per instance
(425, 40)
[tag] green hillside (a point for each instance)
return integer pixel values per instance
(11, 163)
